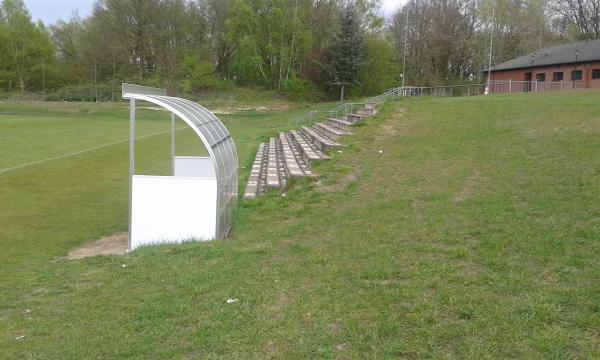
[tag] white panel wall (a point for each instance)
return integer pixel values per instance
(189, 166)
(172, 210)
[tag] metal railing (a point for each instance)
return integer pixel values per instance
(309, 118)
(446, 90)
(510, 86)
(346, 108)
(495, 87)
(393, 92)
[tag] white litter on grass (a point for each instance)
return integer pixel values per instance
(27, 311)
(340, 151)
(283, 195)
(123, 266)
(20, 337)
(232, 301)
(381, 151)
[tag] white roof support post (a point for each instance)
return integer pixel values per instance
(131, 162)
(172, 144)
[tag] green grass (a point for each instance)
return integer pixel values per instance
(474, 234)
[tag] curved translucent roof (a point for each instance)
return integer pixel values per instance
(215, 138)
(207, 126)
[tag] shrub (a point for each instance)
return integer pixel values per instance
(84, 93)
(302, 90)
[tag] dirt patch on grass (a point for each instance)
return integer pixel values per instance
(389, 130)
(110, 245)
(341, 347)
(335, 327)
(291, 221)
(227, 110)
(390, 127)
(153, 108)
(345, 181)
(469, 188)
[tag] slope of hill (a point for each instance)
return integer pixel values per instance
(446, 228)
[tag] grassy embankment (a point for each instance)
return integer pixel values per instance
(473, 235)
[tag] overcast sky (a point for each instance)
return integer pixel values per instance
(51, 11)
(389, 7)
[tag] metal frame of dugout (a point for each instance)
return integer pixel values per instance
(198, 200)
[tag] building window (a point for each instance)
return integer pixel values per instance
(576, 75)
(540, 77)
(596, 74)
(558, 76)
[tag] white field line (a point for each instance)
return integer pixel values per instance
(2, 171)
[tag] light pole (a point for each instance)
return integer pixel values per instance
(43, 78)
(576, 58)
(531, 72)
(489, 79)
(405, 47)
(96, 79)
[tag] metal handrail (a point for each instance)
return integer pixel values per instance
(510, 86)
(385, 95)
(346, 107)
(337, 107)
(446, 90)
(309, 115)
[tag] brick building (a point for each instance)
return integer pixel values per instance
(575, 65)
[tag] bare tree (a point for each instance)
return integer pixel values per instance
(578, 18)
(215, 12)
(440, 38)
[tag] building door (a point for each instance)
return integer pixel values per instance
(527, 83)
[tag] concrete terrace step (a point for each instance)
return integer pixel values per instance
(321, 142)
(354, 117)
(253, 186)
(307, 152)
(297, 153)
(341, 124)
(313, 146)
(289, 155)
(281, 168)
(329, 131)
(273, 180)
(292, 167)
(365, 112)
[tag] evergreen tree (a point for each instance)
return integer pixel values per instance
(345, 55)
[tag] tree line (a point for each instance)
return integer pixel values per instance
(306, 49)
(449, 40)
